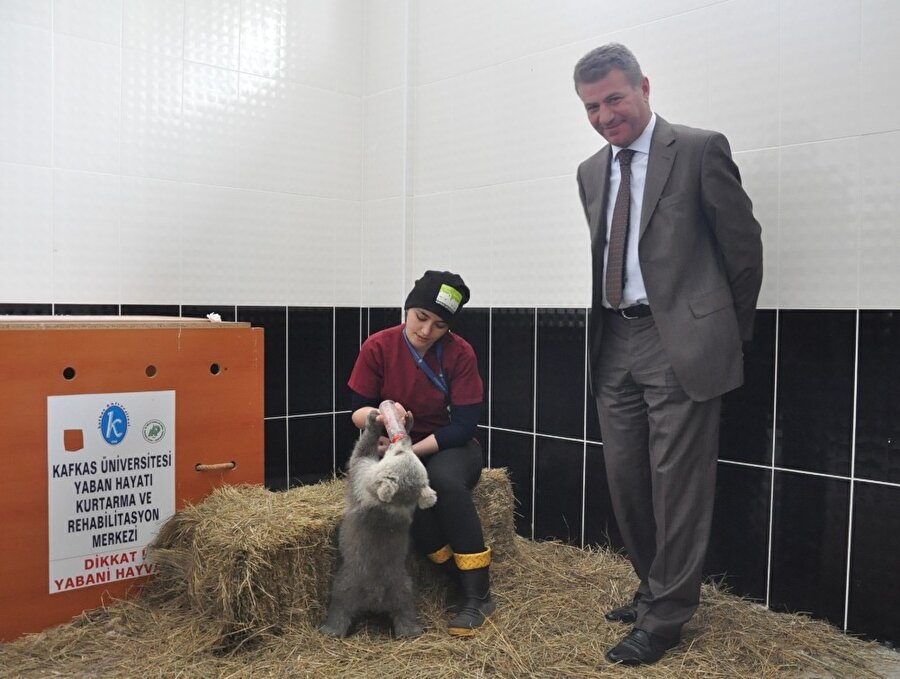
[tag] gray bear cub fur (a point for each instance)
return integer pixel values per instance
(382, 495)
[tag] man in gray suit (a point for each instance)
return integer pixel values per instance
(677, 268)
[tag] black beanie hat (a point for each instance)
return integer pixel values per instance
(440, 292)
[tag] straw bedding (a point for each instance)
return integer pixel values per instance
(243, 586)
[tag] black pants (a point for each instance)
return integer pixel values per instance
(453, 473)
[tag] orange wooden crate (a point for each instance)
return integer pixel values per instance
(216, 371)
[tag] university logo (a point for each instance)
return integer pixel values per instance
(153, 431)
(114, 424)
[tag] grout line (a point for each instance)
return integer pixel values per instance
(585, 393)
(334, 411)
(490, 349)
(772, 464)
(287, 397)
(534, 379)
(852, 476)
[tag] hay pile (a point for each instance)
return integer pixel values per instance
(549, 624)
(251, 561)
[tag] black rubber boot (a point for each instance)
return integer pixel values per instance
(445, 563)
(475, 586)
(453, 601)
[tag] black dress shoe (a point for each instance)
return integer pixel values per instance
(626, 614)
(640, 648)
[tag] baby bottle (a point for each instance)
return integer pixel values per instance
(392, 423)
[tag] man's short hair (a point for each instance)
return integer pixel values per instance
(596, 64)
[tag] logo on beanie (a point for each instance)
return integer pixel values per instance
(449, 298)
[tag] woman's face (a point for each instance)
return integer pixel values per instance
(424, 328)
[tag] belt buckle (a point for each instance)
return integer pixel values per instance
(626, 316)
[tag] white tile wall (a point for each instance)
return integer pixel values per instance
(209, 152)
(151, 228)
(152, 135)
(261, 151)
(32, 12)
(761, 175)
(87, 253)
(212, 32)
(818, 242)
(26, 81)
(384, 153)
(820, 70)
(386, 40)
(879, 66)
(99, 20)
(26, 230)
(879, 229)
(87, 104)
(383, 253)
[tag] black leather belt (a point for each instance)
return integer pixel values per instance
(632, 312)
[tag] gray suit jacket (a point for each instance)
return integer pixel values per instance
(700, 253)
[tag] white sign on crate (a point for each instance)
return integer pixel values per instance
(110, 482)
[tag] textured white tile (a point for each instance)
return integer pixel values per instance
(456, 124)
(267, 249)
(428, 232)
(385, 45)
(217, 224)
(434, 134)
(150, 241)
(521, 244)
(87, 99)
(472, 130)
(346, 226)
(384, 154)
(452, 38)
(383, 252)
(880, 67)
(212, 32)
(25, 231)
(209, 151)
(879, 230)
(527, 27)
(323, 244)
(549, 135)
(99, 20)
(760, 174)
(820, 71)
(33, 12)
(467, 241)
(540, 246)
(818, 248)
(25, 80)
(314, 42)
(87, 253)
(155, 26)
(299, 139)
(743, 72)
(152, 135)
(679, 78)
(635, 13)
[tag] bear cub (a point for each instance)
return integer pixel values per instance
(373, 538)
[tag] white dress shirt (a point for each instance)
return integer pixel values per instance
(634, 291)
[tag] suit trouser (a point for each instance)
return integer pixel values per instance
(660, 450)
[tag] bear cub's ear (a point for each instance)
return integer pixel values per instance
(387, 488)
(427, 498)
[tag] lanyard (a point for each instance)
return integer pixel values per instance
(439, 381)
